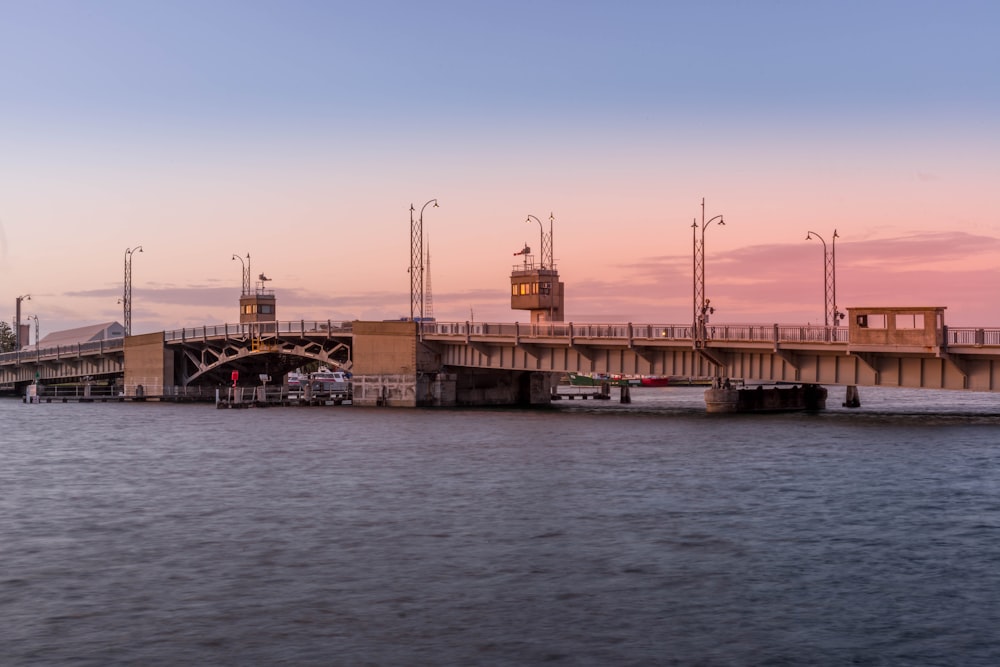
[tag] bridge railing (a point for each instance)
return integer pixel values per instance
(247, 329)
(55, 352)
(972, 336)
(753, 333)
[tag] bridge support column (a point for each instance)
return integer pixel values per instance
(852, 398)
(148, 363)
(478, 386)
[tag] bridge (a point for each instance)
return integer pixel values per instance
(201, 356)
(886, 347)
(410, 363)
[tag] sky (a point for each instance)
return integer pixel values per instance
(300, 133)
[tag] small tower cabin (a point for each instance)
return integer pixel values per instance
(535, 286)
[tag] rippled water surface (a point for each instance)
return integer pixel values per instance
(591, 533)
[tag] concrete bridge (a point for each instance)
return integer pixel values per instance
(447, 363)
(888, 347)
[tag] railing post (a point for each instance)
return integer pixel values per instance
(517, 333)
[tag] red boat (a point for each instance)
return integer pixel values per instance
(654, 381)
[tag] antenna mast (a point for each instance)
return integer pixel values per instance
(428, 297)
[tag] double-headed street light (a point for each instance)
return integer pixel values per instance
(545, 258)
(417, 262)
(127, 296)
(701, 306)
(17, 319)
(830, 312)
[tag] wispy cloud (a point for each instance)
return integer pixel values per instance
(785, 282)
(760, 283)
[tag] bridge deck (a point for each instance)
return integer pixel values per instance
(960, 358)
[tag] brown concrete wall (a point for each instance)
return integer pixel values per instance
(384, 369)
(384, 348)
(148, 362)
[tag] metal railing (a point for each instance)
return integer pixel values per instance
(248, 329)
(741, 333)
(973, 336)
(30, 354)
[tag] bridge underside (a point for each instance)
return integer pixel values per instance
(212, 361)
(578, 359)
(836, 366)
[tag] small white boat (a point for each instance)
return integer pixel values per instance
(336, 382)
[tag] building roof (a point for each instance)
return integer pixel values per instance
(88, 334)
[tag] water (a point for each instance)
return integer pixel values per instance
(588, 534)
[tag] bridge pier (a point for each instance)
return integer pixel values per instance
(148, 365)
(479, 386)
(853, 398)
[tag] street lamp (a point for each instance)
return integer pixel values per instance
(127, 296)
(35, 317)
(545, 242)
(830, 311)
(417, 262)
(701, 306)
(17, 319)
(246, 273)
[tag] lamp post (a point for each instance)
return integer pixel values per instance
(830, 312)
(127, 296)
(544, 242)
(246, 273)
(417, 262)
(35, 317)
(701, 306)
(17, 320)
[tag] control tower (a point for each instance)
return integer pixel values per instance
(535, 286)
(257, 305)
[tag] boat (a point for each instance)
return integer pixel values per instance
(328, 382)
(689, 381)
(591, 380)
(654, 381)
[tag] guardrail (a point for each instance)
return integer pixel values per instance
(730, 333)
(246, 330)
(754, 333)
(57, 352)
(973, 336)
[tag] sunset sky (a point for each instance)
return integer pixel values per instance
(301, 132)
